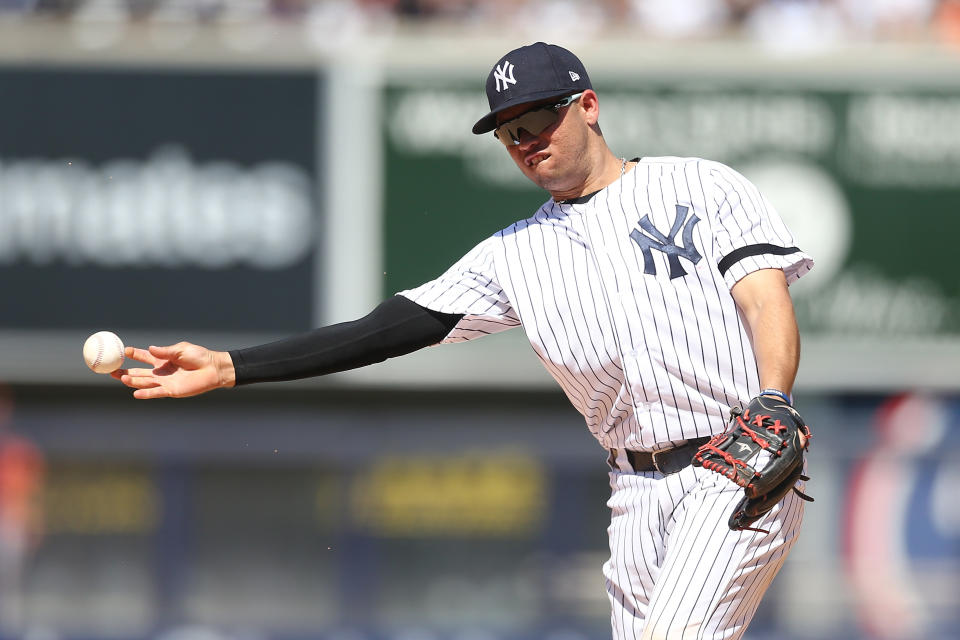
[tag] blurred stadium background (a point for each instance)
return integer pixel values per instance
(233, 171)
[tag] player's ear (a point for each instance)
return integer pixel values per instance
(590, 104)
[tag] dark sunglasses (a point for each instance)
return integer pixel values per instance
(533, 121)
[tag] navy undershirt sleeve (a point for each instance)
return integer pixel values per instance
(396, 327)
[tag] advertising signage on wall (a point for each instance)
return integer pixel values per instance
(148, 199)
(867, 178)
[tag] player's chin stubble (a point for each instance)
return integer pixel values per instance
(541, 174)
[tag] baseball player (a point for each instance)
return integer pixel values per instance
(654, 290)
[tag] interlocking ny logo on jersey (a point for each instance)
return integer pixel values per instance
(504, 74)
(667, 243)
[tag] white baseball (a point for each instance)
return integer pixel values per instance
(103, 352)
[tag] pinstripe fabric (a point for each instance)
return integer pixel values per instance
(676, 570)
(623, 300)
(647, 359)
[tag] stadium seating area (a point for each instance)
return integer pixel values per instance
(797, 22)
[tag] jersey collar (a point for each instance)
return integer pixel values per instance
(584, 199)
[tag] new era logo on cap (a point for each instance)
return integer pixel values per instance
(539, 71)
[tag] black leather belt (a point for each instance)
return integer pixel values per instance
(666, 461)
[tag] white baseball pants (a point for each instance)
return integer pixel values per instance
(676, 570)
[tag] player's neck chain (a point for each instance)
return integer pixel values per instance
(586, 197)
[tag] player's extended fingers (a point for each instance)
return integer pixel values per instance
(150, 394)
(173, 352)
(141, 355)
(139, 382)
(139, 373)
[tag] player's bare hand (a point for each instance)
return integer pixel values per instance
(176, 371)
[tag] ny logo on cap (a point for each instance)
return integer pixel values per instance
(504, 74)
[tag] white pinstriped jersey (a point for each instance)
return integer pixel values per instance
(625, 296)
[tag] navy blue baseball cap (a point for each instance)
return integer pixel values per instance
(537, 71)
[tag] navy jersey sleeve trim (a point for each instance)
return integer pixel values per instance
(737, 255)
(396, 327)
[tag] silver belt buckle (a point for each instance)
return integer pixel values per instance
(653, 459)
